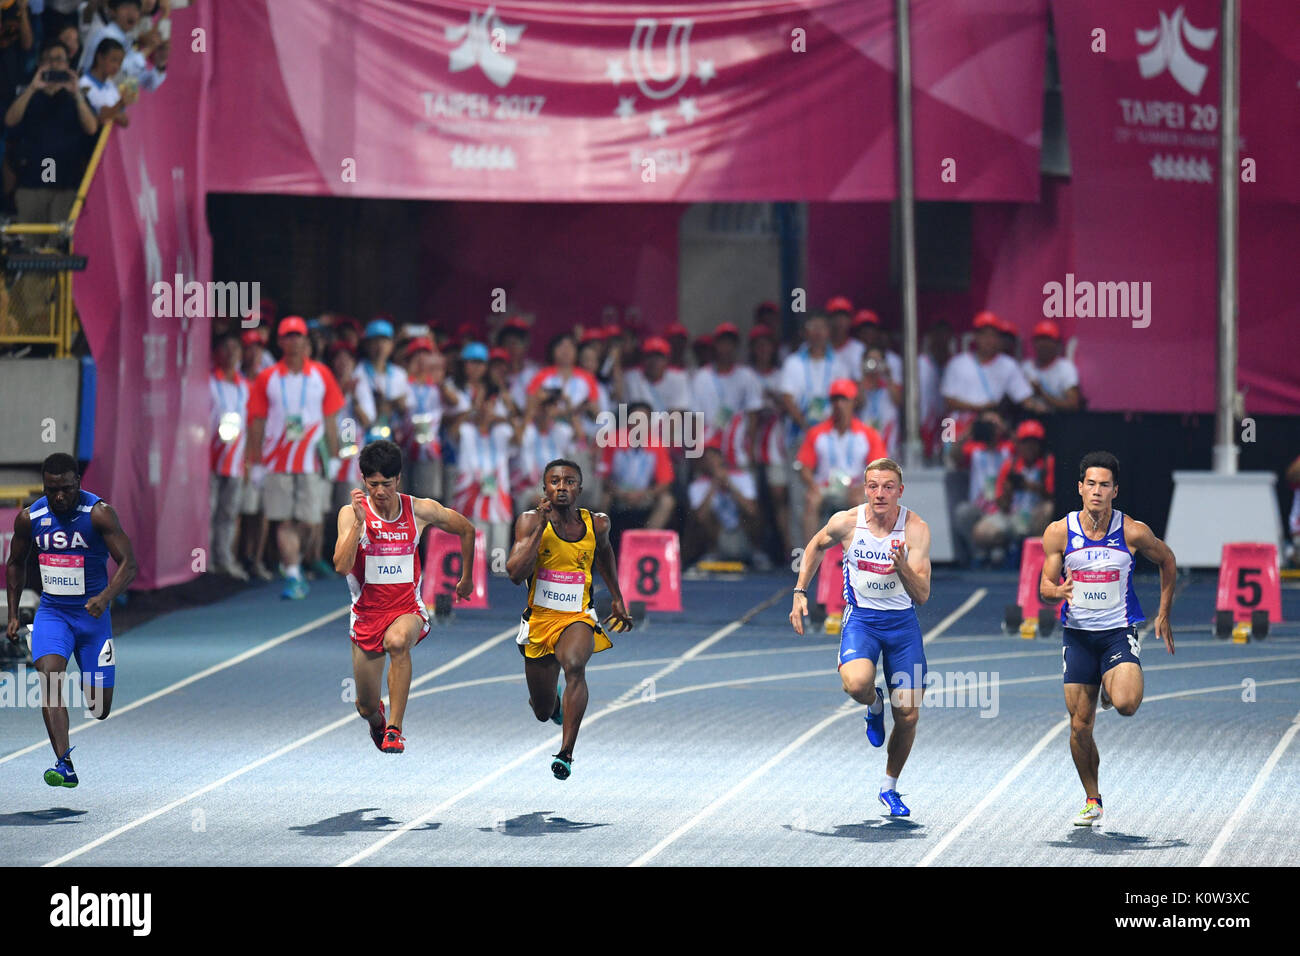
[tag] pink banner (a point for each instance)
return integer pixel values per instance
(1143, 118)
(645, 101)
(144, 223)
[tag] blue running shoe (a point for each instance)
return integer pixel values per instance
(62, 774)
(295, 589)
(896, 806)
(561, 767)
(876, 722)
(557, 716)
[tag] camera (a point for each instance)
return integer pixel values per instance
(56, 76)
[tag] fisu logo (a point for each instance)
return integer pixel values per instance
(1168, 53)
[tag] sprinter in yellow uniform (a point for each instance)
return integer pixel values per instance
(556, 547)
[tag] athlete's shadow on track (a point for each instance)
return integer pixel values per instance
(54, 816)
(353, 821)
(538, 824)
(1112, 842)
(884, 830)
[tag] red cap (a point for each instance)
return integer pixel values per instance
(760, 332)
(676, 329)
(865, 317)
(844, 387)
(499, 354)
(1048, 329)
(656, 344)
(726, 328)
(1007, 326)
(765, 307)
(839, 304)
(705, 339)
(988, 320)
(517, 322)
(1030, 429)
(613, 331)
(592, 335)
(421, 344)
(251, 337)
(291, 324)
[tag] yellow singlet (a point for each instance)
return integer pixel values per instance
(559, 591)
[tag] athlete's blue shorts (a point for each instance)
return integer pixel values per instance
(72, 632)
(1086, 655)
(866, 633)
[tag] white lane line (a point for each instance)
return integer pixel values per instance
(723, 800)
(621, 702)
(976, 596)
(847, 708)
(455, 662)
(1256, 786)
(1043, 741)
(206, 672)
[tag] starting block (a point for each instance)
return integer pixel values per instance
(442, 568)
(1249, 595)
(650, 570)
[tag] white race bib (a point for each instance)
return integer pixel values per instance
(876, 580)
(63, 573)
(390, 568)
(1096, 590)
(559, 590)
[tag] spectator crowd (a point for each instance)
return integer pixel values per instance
(788, 426)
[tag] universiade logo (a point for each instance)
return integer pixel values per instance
(1102, 300)
(1168, 53)
(482, 42)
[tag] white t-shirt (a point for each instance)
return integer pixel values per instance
(672, 391)
(537, 449)
(393, 384)
(978, 383)
(808, 381)
(850, 353)
(100, 95)
(1057, 379)
(724, 503)
(723, 395)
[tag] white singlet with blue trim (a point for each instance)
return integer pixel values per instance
(869, 577)
(1102, 571)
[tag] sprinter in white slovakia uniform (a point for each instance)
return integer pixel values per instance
(1096, 547)
(886, 575)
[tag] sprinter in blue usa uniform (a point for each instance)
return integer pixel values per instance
(73, 532)
(1096, 547)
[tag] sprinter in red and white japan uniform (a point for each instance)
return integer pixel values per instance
(378, 551)
(1097, 547)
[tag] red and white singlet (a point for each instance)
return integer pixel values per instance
(385, 577)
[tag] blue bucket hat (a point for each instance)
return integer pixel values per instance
(474, 352)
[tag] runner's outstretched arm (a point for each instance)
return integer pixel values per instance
(453, 522)
(604, 563)
(1145, 542)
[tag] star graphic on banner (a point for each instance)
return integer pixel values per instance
(614, 70)
(687, 108)
(626, 108)
(658, 125)
(705, 71)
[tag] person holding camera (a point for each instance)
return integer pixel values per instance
(52, 124)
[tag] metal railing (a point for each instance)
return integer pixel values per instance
(36, 291)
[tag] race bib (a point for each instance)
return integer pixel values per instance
(390, 568)
(1097, 590)
(293, 428)
(559, 590)
(876, 580)
(63, 573)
